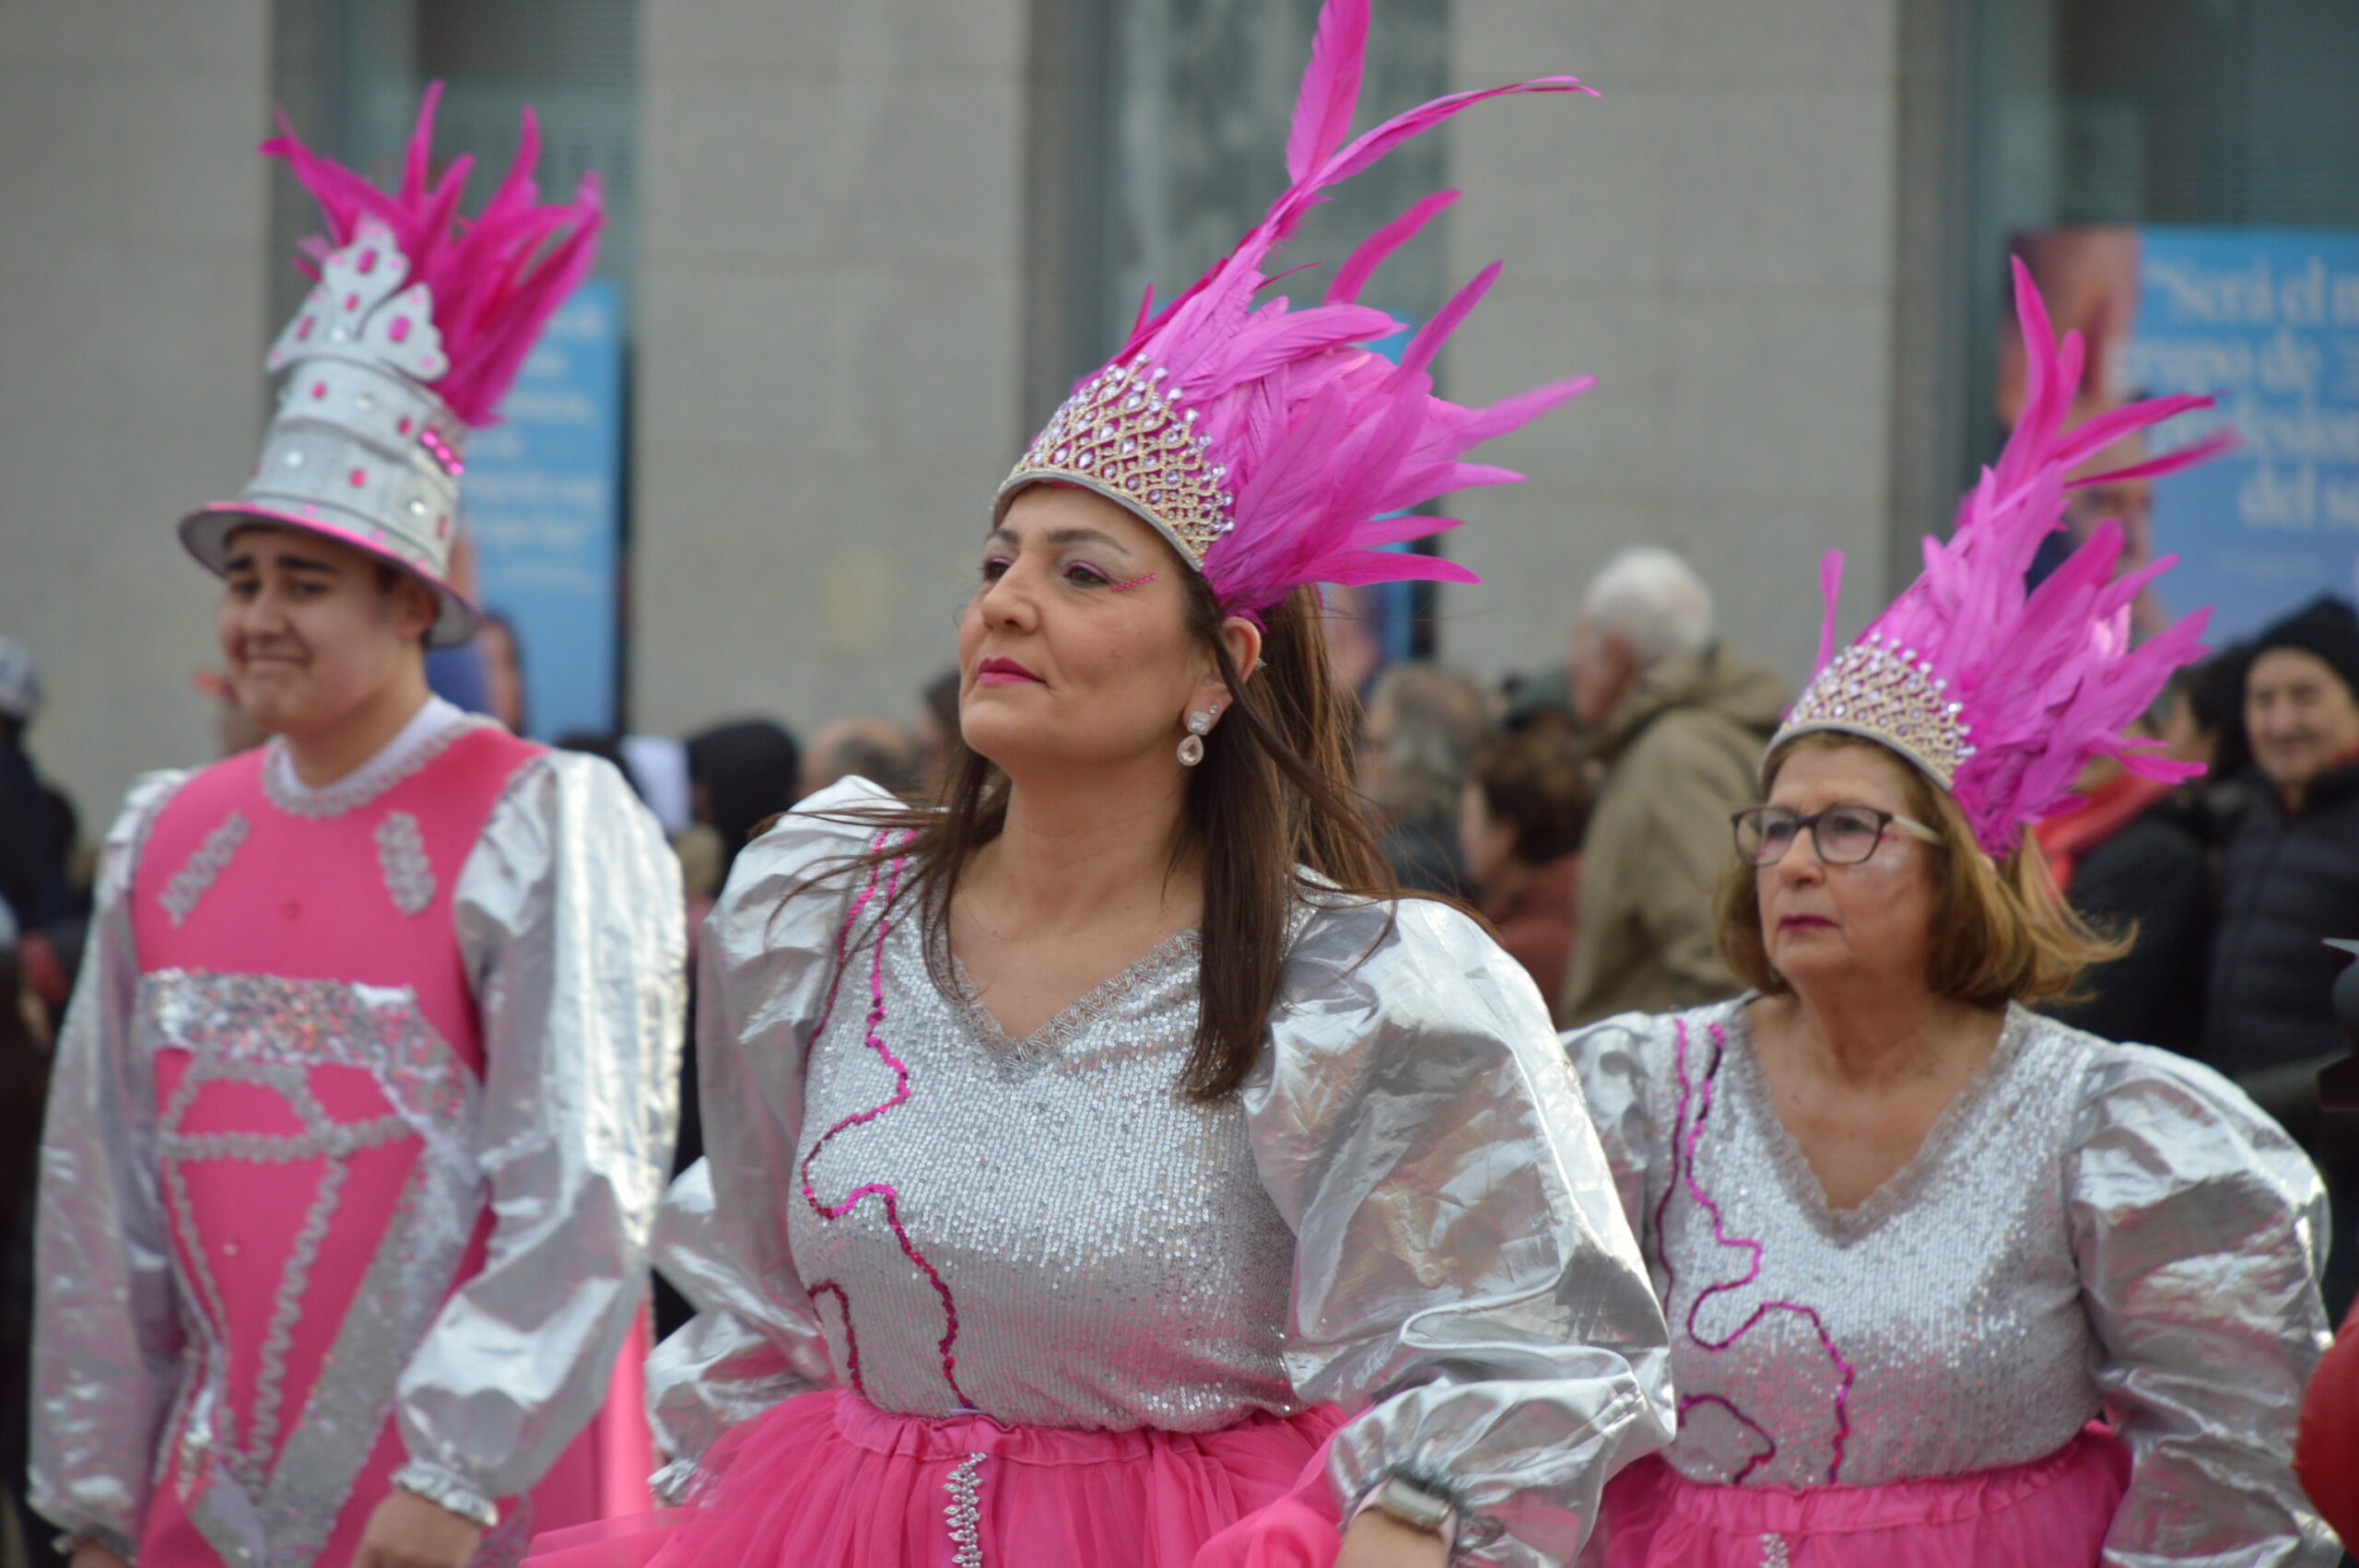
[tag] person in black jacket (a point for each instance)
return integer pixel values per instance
(2289, 880)
(2132, 863)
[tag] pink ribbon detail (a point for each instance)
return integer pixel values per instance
(885, 1190)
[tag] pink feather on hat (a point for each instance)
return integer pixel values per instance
(2001, 692)
(495, 279)
(1266, 442)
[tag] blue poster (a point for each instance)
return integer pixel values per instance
(544, 505)
(2267, 322)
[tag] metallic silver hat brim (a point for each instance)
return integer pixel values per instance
(206, 532)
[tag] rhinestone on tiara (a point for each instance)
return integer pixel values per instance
(1125, 436)
(1885, 693)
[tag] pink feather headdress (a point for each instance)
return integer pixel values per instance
(419, 321)
(1266, 443)
(1999, 691)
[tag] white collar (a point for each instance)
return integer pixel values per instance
(433, 726)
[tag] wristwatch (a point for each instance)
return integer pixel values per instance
(1416, 1504)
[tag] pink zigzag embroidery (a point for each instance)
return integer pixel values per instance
(885, 1190)
(1685, 1140)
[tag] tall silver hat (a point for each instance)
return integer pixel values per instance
(418, 322)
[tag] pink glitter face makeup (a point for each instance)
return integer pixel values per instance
(1136, 582)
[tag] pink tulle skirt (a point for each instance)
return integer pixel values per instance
(2052, 1513)
(828, 1481)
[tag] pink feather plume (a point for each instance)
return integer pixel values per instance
(1320, 436)
(2045, 679)
(495, 279)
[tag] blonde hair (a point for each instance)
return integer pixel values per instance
(2001, 932)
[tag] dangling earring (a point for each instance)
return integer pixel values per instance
(1200, 724)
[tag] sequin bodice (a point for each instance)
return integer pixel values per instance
(1970, 1350)
(1105, 1243)
(1948, 1324)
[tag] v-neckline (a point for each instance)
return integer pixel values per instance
(1076, 1015)
(1795, 1173)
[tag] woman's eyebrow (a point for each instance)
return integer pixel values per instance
(1005, 535)
(1087, 536)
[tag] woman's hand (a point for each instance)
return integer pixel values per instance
(88, 1553)
(1380, 1540)
(407, 1531)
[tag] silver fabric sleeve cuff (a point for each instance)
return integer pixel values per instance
(1454, 1524)
(671, 1484)
(446, 1490)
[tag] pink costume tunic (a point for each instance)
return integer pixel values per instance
(359, 1132)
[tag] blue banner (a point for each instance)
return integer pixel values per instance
(2267, 322)
(544, 504)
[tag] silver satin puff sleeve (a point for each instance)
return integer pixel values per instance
(570, 920)
(763, 967)
(1617, 1073)
(2199, 1228)
(1464, 1279)
(106, 1334)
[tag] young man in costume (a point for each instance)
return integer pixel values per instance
(366, 1094)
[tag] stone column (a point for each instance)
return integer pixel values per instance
(829, 351)
(1717, 240)
(134, 276)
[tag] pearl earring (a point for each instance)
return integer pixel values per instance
(1200, 724)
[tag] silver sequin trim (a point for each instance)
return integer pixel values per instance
(397, 1303)
(265, 1018)
(1180, 951)
(249, 1462)
(338, 799)
(965, 1514)
(1773, 1551)
(401, 855)
(206, 862)
(254, 1497)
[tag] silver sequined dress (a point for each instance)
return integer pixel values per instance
(2088, 1228)
(1403, 1213)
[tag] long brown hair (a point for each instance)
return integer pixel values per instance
(1273, 811)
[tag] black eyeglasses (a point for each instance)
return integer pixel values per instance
(1845, 834)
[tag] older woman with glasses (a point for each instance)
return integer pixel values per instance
(1949, 1283)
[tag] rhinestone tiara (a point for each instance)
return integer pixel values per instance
(1883, 692)
(1123, 434)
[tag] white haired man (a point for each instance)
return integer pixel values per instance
(1680, 724)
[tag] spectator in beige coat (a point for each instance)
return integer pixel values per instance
(1680, 725)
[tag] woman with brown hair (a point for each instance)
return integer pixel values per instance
(1519, 823)
(1950, 1282)
(1104, 1169)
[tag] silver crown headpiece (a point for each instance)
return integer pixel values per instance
(1883, 692)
